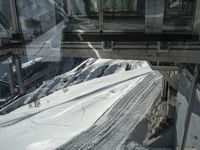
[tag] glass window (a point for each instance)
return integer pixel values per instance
(38, 17)
(125, 15)
(83, 14)
(5, 22)
(5, 15)
(41, 24)
(179, 15)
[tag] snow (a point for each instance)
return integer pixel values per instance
(31, 62)
(66, 112)
(88, 70)
(2, 100)
(121, 119)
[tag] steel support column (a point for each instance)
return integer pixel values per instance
(10, 75)
(190, 106)
(125, 50)
(19, 74)
(165, 85)
(15, 21)
(69, 8)
(100, 3)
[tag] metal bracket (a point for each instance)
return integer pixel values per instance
(163, 47)
(107, 46)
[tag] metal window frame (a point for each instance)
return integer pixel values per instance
(196, 23)
(146, 29)
(14, 14)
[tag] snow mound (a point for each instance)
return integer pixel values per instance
(67, 112)
(88, 70)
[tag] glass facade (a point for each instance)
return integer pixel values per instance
(179, 15)
(124, 15)
(42, 23)
(83, 15)
(36, 18)
(5, 16)
(37, 37)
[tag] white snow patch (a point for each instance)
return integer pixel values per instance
(31, 62)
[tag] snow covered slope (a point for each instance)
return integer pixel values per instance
(88, 70)
(67, 112)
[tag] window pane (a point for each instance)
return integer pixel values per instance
(42, 23)
(83, 14)
(179, 15)
(125, 15)
(5, 15)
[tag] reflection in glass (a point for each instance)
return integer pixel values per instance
(179, 15)
(37, 17)
(42, 23)
(125, 15)
(5, 15)
(83, 14)
(6, 26)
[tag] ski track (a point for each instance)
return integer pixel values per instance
(122, 118)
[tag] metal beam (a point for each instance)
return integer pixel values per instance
(178, 53)
(101, 24)
(163, 67)
(122, 36)
(68, 2)
(154, 16)
(15, 21)
(190, 106)
(19, 74)
(171, 82)
(151, 55)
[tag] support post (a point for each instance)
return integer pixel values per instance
(10, 75)
(69, 8)
(190, 106)
(100, 15)
(19, 74)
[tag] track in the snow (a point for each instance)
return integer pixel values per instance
(121, 119)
